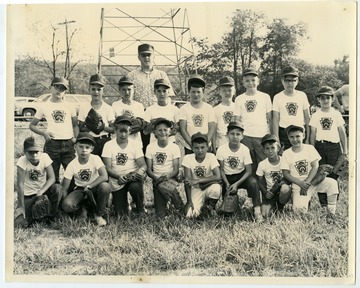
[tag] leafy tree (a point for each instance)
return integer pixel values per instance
(342, 68)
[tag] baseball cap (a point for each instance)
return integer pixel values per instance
(162, 120)
(250, 71)
(235, 124)
(290, 71)
(122, 119)
(60, 81)
(145, 48)
(292, 128)
(269, 137)
(325, 90)
(226, 81)
(161, 82)
(198, 135)
(196, 79)
(30, 144)
(125, 80)
(85, 136)
(97, 79)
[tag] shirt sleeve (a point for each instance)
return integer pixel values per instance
(260, 169)
(182, 113)
(111, 114)
(138, 152)
(21, 162)
(213, 161)
(284, 162)
(210, 111)
(84, 110)
(314, 155)
(106, 150)
(47, 160)
(176, 151)
(186, 161)
(39, 112)
(98, 162)
(69, 171)
(268, 103)
(247, 156)
(339, 119)
(219, 154)
(306, 104)
(275, 105)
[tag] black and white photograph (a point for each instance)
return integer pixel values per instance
(180, 143)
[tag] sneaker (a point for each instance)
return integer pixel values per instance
(100, 220)
(258, 217)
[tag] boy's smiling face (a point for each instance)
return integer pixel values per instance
(162, 131)
(96, 90)
(271, 149)
(196, 94)
(251, 81)
(226, 92)
(296, 137)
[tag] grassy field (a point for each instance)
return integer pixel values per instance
(290, 245)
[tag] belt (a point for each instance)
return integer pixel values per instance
(324, 141)
(102, 137)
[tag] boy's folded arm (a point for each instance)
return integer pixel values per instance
(103, 177)
(290, 178)
(314, 168)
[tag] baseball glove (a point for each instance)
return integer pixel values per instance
(341, 167)
(230, 204)
(41, 207)
(94, 122)
(322, 172)
(133, 176)
(203, 186)
(137, 124)
(274, 190)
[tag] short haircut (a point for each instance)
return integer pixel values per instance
(196, 85)
(270, 142)
(199, 141)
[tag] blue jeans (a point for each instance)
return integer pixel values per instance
(61, 152)
(75, 200)
(120, 198)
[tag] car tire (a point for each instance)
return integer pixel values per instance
(28, 114)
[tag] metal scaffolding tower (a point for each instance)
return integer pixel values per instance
(121, 33)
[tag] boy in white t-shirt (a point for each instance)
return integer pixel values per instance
(91, 190)
(253, 109)
(35, 177)
(96, 88)
(290, 107)
(162, 158)
(224, 111)
(201, 168)
(125, 163)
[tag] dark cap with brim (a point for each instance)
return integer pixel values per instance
(325, 90)
(97, 79)
(30, 144)
(269, 138)
(292, 128)
(125, 81)
(235, 124)
(85, 136)
(250, 71)
(196, 79)
(290, 71)
(199, 135)
(145, 48)
(123, 119)
(60, 81)
(226, 81)
(161, 82)
(161, 120)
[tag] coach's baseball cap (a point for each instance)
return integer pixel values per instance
(162, 120)
(292, 128)
(122, 119)
(145, 48)
(125, 80)
(290, 71)
(161, 82)
(85, 136)
(235, 124)
(60, 81)
(226, 81)
(269, 138)
(199, 135)
(30, 144)
(196, 79)
(97, 79)
(250, 71)
(325, 90)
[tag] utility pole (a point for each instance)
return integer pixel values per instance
(67, 61)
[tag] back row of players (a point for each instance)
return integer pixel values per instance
(231, 142)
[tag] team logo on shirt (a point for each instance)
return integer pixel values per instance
(198, 120)
(250, 105)
(200, 171)
(58, 116)
(121, 159)
(228, 116)
(128, 113)
(276, 176)
(291, 108)
(233, 162)
(34, 174)
(84, 175)
(326, 123)
(160, 158)
(301, 167)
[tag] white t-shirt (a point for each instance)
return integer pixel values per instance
(253, 113)
(291, 108)
(105, 111)
(84, 174)
(234, 162)
(203, 169)
(169, 112)
(162, 157)
(122, 160)
(58, 116)
(35, 176)
(197, 119)
(224, 114)
(272, 173)
(298, 163)
(326, 124)
(135, 109)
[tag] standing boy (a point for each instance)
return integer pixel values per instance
(202, 176)
(96, 88)
(92, 190)
(224, 111)
(300, 164)
(196, 116)
(275, 192)
(62, 128)
(162, 159)
(290, 107)
(253, 109)
(236, 169)
(35, 179)
(125, 163)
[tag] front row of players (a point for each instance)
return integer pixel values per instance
(207, 177)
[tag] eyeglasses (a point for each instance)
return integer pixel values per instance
(290, 80)
(59, 87)
(144, 55)
(325, 97)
